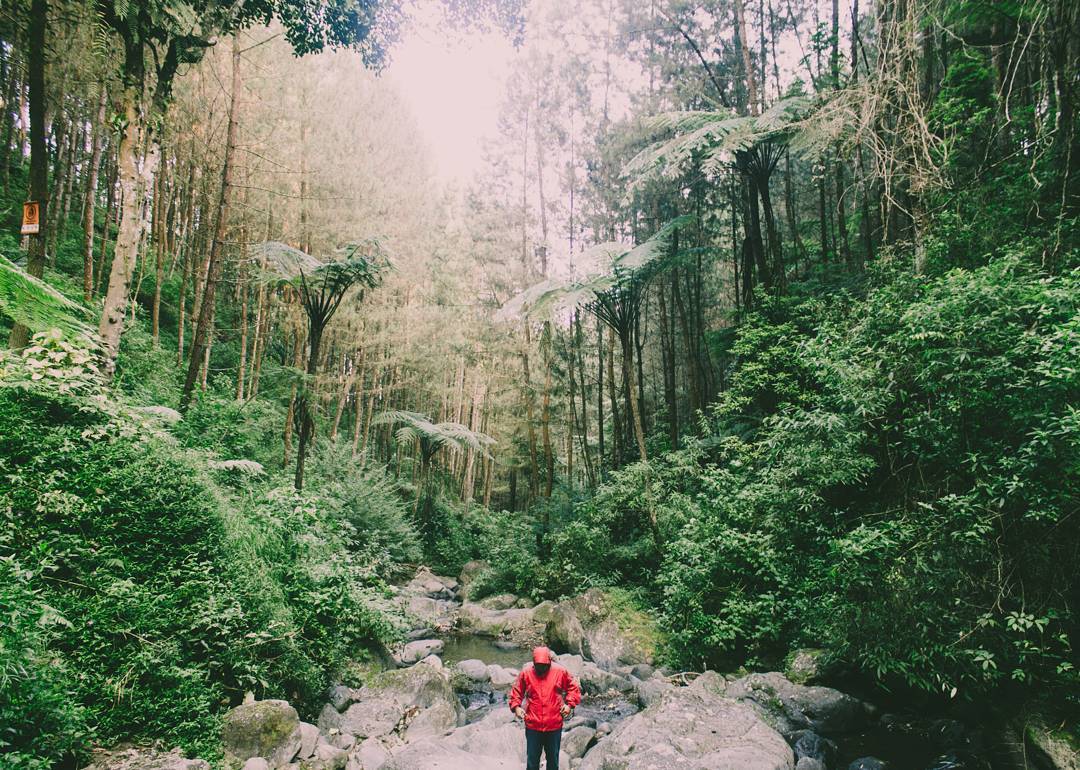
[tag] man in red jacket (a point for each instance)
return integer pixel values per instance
(550, 694)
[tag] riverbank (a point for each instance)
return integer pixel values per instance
(440, 704)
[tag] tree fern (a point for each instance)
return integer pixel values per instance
(37, 305)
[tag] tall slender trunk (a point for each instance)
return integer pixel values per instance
(469, 473)
(159, 255)
(667, 356)
(66, 141)
(90, 199)
(745, 57)
(107, 223)
(200, 343)
(358, 396)
(600, 396)
(181, 302)
(616, 423)
(39, 170)
(242, 287)
(10, 111)
(290, 413)
(135, 174)
(534, 482)
(305, 407)
(545, 412)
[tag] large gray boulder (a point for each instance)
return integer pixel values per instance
(563, 631)
(475, 670)
(595, 680)
(373, 754)
(499, 602)
(429, 611)
(516, 623)
(394, 699)
(426, 583)
(496, 742)
(602, 629)
(469, 573)
(325, 757)
(574, 664)
(501, 678)
(268, 728)
(420, 649)
(791, 707)
(651, 690)
(576, 742)
(693, 728)
(309, 739)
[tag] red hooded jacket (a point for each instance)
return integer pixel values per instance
(544, 696)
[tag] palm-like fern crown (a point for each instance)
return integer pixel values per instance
(713, 138)
(414, 426)
(623, 266)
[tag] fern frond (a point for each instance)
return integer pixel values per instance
(37, 305)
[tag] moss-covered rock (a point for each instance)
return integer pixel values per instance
(393, 699)
(269, 729)
(1053, 748)
(806, 665)
(614, 631)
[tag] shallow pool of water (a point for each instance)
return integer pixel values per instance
(468, 647)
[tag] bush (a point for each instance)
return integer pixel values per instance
(43, 724)
(907, 461)
(167, 598)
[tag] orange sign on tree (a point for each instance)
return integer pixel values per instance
(31, 218)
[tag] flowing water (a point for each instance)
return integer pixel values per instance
(481, 700)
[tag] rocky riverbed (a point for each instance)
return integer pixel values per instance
(442, 705)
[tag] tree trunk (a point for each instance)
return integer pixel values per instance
(616, 423)
(305, 408)
(545, 412)
(600, 396)
(777, 269)
(107, 222)
(745, 57)
(134, 177)
(469, 481)
(200, 342)
(10, 110)
(534, 482)
(290, 414)
(90, 200)
(39, 170)
(242, 287)
(667, 355)
(159, 255)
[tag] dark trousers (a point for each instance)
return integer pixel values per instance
(547, 741)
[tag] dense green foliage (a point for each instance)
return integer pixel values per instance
(145, 591)
(906, 460)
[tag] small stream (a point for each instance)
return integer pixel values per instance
(482, 699)
(911, 740)
(901, 749)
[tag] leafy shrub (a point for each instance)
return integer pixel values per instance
(177, 598)
(908, 461)
(42, 724)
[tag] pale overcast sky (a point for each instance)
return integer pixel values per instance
(454, 84)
